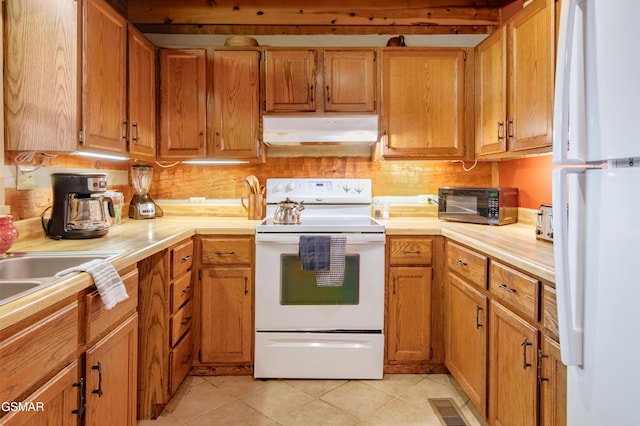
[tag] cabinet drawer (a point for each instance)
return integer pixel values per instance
(410, 251)
(225, 251)
(181, 322)
(181, 291)
(550, 312)
(515, 289)
(99, 320)
(181, 258)
(468, 264)
(180, 360)
(37, 350)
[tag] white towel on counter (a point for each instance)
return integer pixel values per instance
(106, 278)
(334, 277)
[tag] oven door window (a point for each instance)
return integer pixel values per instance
(299, 287)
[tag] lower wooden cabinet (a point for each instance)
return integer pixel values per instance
(409, 314)
(226, 326)
(513, 385)
(55, 403)
(225, 294)
(553, 385)
(467, 339)
(165, 340)
(76, 358)
(111, 378)
(414, 305)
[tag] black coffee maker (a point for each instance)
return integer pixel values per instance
(80, 210)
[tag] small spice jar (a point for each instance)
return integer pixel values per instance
(8, 233)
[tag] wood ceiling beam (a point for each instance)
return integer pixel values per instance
(326, 17)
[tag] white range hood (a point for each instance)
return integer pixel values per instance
(320, 129)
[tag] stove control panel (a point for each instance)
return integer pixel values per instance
(319, 190)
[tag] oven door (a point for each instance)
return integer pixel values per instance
(288, 299)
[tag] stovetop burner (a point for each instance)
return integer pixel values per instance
(330, 206)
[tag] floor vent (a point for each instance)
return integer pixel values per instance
(447, 411)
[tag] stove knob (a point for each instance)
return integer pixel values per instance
(277, 188)
(346, 187)
(359, 189)
(291, 186)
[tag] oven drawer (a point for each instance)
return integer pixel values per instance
(227, 251)
(319, 355)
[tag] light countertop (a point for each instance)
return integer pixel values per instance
(514, 244)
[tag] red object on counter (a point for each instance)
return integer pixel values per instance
(8, 233)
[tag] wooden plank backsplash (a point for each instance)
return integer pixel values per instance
(389, 177)
(182, 181)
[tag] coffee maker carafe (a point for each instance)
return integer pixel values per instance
(78, 206)
(141, 205)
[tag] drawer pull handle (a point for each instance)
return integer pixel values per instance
(186, 258)
(412, 252)
(98, 391)
(186, 359)
(83, 406)
(186, 290)
(507, 288)
(478, 309)
(524, 345)
(461, 263)
(220, 253)
(186, 321)
(541, 378)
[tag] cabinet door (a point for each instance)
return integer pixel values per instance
(182, 103)
(142, 96)
(423, 104)
(226, 323)
(467, 331)
(349, 80)
(409, 314)
(111, 375)
(553, 385)
(531, 70)
(513, 391)
(491, 94)
(104, 86)
(290, 80)
(41, 75)
(236, 114)
(57, 402)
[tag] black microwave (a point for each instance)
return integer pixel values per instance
(490, 206)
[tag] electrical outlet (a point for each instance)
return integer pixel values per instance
(25, 178)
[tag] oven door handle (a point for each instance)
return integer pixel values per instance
(352, 239)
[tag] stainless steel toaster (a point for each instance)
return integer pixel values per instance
(544, 223)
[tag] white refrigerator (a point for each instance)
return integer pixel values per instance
(596, 207)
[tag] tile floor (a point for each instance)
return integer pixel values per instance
(398, 399)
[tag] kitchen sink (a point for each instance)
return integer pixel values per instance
(10, 290)
(24, 273)
(45, 264)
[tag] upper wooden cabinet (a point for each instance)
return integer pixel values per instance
(40, 75)
(320, 80)
(424, 102)
(236, 106)
(182, 132)
(515, 83)
(142, 96)
(104, 78)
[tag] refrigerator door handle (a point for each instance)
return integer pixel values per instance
(569, 258)
(562, 154)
